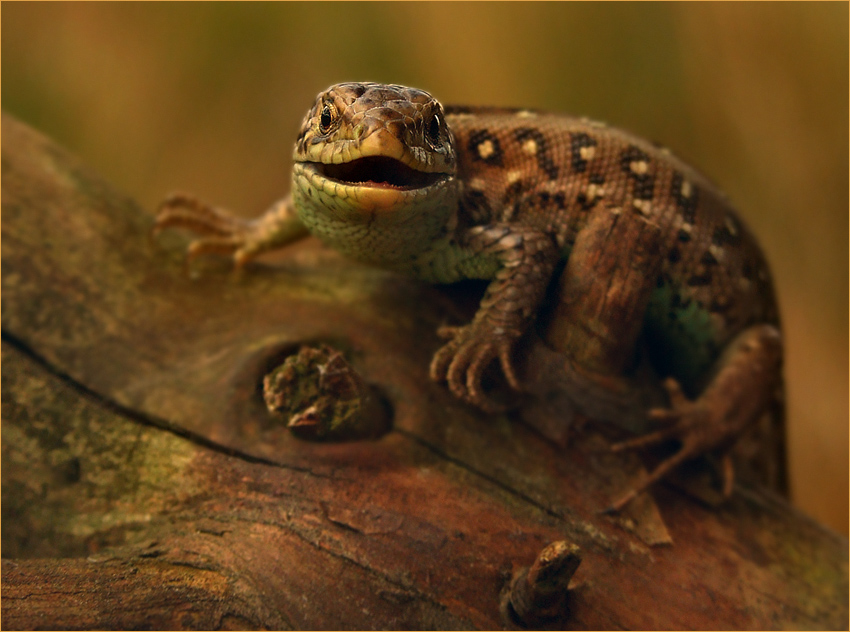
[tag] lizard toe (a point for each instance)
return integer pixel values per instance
(458, 372)
(448, 332)
(442, 360)
(180, 210)
(211, 245)
(463, 360)
(505, 350)
(474, 374)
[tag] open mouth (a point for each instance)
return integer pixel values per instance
(379, 172)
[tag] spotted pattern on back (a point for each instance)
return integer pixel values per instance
(550, 175)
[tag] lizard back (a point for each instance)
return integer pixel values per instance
(549, 171)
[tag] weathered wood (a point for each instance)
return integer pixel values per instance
(144, 484)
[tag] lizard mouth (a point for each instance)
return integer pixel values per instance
(379, 172)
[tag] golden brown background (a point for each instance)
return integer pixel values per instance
(207, 98)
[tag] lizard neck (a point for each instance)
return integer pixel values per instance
(390, 227)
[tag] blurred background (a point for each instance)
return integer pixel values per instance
(207, 98)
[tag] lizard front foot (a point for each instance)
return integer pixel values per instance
(221, 233)
(462, 361)
(526, 260)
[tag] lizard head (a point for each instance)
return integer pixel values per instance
(374, 171)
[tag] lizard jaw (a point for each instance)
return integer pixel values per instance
(381, 172)
(388, 223)
(363, 190)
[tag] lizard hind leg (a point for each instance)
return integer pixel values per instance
(741, 389)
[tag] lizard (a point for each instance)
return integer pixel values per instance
(388, 176)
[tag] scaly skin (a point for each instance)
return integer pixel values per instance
(386, 175)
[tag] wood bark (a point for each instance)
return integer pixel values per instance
(146, 486)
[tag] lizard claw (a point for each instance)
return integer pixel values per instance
(462, 361)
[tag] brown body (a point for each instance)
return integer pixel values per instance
(549, 172)
(386, 175)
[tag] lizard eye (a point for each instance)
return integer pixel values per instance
(432, 133)
(327, 118)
